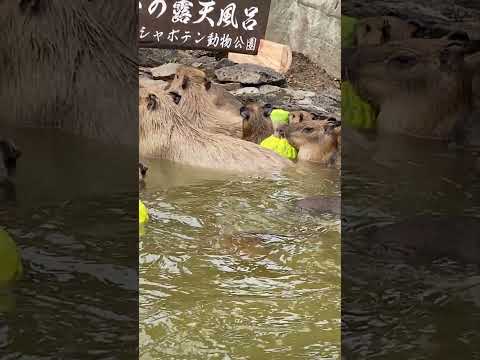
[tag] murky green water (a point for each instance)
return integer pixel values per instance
(230, 269)
(396, 307)
(74, 220)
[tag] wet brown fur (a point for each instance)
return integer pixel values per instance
(206, 105)
(315, 141)
(48, 71)
(166, 134)
(257, 124)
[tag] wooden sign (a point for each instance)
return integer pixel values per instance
(227, 25)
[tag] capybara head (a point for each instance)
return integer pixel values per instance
(189, 79)
(381, 29)
(413, 66)
(9, 154)
(257, 124)
(315, 141)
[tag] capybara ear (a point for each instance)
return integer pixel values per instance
(245, 112)
(152, 102)
(175, 97)
(186, 82)
(208, 84)
(267, 110)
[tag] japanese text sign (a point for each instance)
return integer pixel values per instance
(234, 26)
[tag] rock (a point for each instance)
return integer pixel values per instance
(270, 89)
(311, 27)
(231, 86)
(153, 84)
(164, 71)
(156, 57)
(224, 63)
(300, 94)
(245, 92)
(249, 74)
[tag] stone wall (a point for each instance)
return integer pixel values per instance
(311, 27)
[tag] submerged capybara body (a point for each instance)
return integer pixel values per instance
(421, 86)
(166, 134)
(315, 141)
(321, 204)
(61, 68)
(206, 105)
(257, 124)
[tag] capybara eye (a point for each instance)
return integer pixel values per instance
(307, 130)
(185, 83)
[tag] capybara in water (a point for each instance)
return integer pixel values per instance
(165, 133)
(315, 141)
(421, 86)
(61, 68)
(381, 29)
(321, 204)
(257, 124)
(206, 105)
(142, 172)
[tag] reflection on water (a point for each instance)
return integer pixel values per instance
(229, 269)
(76, 227)
(395, 304)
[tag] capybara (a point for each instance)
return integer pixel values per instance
(206, 105)
(381, 29)
(321, 204)
(61, 68)
(421, 86)
(315, 141)
(165, 133)
(257, 124)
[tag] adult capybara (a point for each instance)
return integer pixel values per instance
(257, 124)
(205, 104)
(315, 141)
(378, 30)
(420, 86)
(61, 68)
(165, 133)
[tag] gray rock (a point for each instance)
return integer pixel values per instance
(164, 71)
(270, 89)
(231, 86)
(246, 91)
(249, 74)
(156, 57)
(154, 84)
(224, 63)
